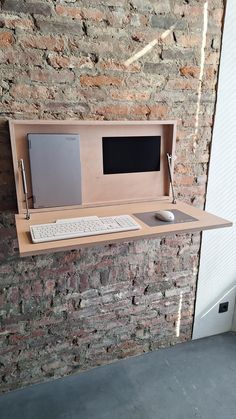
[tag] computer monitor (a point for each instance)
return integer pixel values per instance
(131, 154)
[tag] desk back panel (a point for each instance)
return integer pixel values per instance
(97, 188)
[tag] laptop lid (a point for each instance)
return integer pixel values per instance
(55, 169)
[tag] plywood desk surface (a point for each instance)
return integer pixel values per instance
(205, 221)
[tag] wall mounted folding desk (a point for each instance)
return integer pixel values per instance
(102, 194)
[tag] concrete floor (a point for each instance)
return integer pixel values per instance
(191, 380)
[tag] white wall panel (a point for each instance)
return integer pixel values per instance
(217, 274)
(234, 320)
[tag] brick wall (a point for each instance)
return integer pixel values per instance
(66, 312)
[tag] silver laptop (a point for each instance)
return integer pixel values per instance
(55, 169)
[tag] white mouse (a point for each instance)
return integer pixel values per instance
(165, 215)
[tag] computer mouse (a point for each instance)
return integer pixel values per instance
(165, 215)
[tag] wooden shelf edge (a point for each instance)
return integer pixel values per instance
(205, 221)
(118, 240)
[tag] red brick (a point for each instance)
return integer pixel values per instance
(186, 321)
(139, 110)
(204, 121)
(17, 339)
(6, 39)
(83, 282)
(194, 190)
(22, 58)
(48, 76)
(217, 16)
(59, 61)
(182, 84)
(66, 106)
(37, 333)
(185, 180)
(212, 58)
(80, 13)
(190, 71)
(171, 317)
(13, 328)
(29, 92)
(19, 107)
(209, 85)
(93, 14)
(118, 66)
(49, 287)
(14, 295)
(100, 81)
(158, 111)
(210, 73)
(26, 292)
(37, 288)
(73, 12)
(45, 42)
(202, 180)
(189, 10)
(129, 95)
(189, 40)
(5, 269)
(72, 283)
(16, 22)
(136, 20)
(113, 109)
(182, 169)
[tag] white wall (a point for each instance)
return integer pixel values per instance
(217, 275)
(234, 320)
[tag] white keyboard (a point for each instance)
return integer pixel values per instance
(81, 227)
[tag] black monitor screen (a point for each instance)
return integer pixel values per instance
(131, 154)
